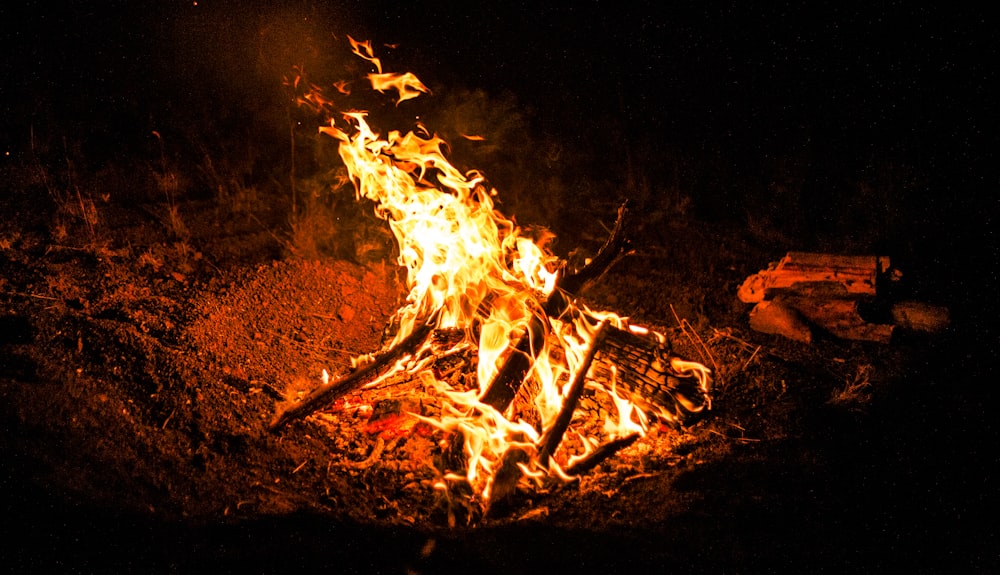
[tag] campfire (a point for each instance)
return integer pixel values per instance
(520, 382)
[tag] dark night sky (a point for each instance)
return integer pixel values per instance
(851, 80)
(885, 71)
(763, 78)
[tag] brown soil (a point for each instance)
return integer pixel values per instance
(139, 373)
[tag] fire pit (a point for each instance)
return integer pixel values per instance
(485, 290)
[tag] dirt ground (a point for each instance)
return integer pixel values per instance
(139, 373)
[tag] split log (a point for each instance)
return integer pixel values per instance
(817, 275)
(777, 318)
(794, 316)
(804, 291)
(644, 372)
(840, 317)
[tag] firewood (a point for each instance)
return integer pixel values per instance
(509, 472)
(508, 379)
(840, 317)
(777, 318)
(596, 457)
(644, 372)
(550, 441)
(817, 275)
(804, 291)
(615, 247)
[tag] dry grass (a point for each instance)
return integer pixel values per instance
(856, 392)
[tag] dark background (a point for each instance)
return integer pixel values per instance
(822, 95)
(850, 80)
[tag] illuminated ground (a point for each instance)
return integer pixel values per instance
(135, 398)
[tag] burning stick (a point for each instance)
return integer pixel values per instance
(321, 396)
(508, 380)
(603, 452)
(553, 435)
(509, 473)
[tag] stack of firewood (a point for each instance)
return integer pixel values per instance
(843, 296)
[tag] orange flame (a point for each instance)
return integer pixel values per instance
(407, 85)
(468, 265)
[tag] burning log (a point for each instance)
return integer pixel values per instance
(552, 437)
(598, 456)
(658, 382)
(503, 388)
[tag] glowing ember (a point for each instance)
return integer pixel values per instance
(469, 267)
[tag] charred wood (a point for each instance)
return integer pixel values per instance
(615, 247)
(646, 370)
(596, 457)
(552, 437)
(508, 380)
(380, 365)
(505, 384)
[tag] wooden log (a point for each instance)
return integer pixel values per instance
(500, 392)
(777, 318)
(552, 437)
(598, 456)
(817, 275)
(615, 247)
(508, 379)
(509, 472)
(644, 372)
(840, 317)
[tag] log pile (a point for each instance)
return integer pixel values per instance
(806, 293)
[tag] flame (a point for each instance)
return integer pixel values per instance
(407, 85)
(469, 266)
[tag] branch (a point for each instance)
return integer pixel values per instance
(323, 395)
(615, 247)
(550, 441)
(501, 391)
(600, 454)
